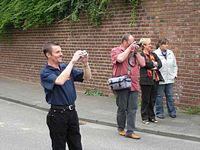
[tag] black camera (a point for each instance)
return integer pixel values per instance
(139, 44)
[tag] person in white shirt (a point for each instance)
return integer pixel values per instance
(169, 73)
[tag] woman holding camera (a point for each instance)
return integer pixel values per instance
(149, 77)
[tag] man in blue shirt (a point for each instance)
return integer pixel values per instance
(57, 80)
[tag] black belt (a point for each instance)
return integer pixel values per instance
(63, 107)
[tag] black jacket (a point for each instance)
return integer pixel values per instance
(144, 78)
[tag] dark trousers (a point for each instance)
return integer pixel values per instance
(149, 93)
(126, 101)
(64, 127)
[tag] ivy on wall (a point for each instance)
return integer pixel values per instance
(25, 14)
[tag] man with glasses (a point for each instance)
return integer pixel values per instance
(126, 99)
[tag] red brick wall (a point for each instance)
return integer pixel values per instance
(21, 56)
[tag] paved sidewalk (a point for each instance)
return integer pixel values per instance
(101, 110)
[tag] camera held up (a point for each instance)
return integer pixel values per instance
(136, 47)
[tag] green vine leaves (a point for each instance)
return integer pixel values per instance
(25, 14)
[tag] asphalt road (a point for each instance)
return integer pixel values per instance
(24, 128)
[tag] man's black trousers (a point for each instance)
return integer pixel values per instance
(64, 128)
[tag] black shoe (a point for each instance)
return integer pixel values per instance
(172, 116)
(153, 120)
(160, 117)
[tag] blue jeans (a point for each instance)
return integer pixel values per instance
(166, 89)
(127, 107)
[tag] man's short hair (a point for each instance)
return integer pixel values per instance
(47, 47)
(125, 37)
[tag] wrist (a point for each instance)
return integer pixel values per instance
(72, 62)
(86, 65)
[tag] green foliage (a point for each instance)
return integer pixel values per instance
(96, 9)
(93, 92)
(25, 14)
(194, 110)
(134, 4)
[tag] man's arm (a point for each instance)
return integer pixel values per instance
(65, 75)
(140, 59)
(87, 72)
(86, 68)
(122, 56)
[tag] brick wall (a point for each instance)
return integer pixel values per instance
(21, 56)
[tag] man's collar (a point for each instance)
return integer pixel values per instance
(122, 48)
(52, 68)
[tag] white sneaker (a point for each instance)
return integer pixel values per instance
(146, 122)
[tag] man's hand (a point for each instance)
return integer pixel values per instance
(77, 56)
(84, 57)
(134, 46)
